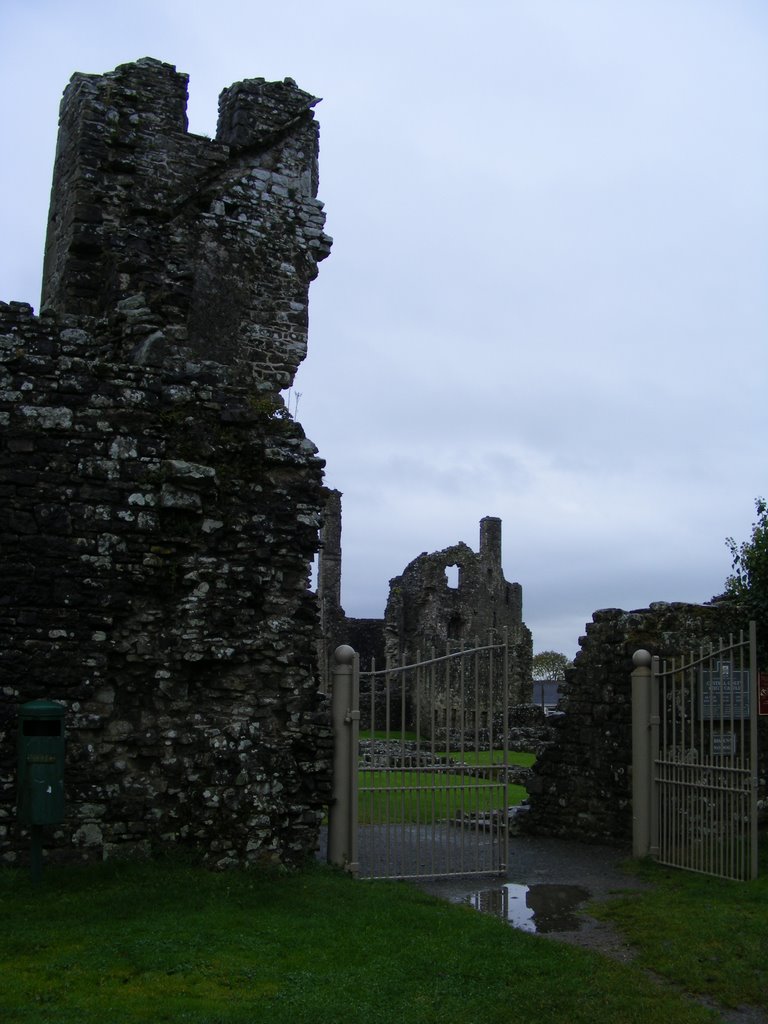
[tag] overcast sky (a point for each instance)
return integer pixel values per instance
(546, 299)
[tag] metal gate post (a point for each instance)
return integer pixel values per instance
(653, 739)
(641, 754)
(345, 717)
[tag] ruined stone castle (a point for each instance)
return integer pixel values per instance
(429, 606)
(160, 506)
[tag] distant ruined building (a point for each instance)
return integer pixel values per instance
(160, 506)
(425, 610)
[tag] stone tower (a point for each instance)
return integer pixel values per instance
(161, 507)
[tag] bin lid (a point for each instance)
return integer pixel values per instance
(41, 709)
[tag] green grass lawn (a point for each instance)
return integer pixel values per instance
(525, 760)
(417, 796)
(706, 934)
(468, 757)
(423, 796)
(150, 944)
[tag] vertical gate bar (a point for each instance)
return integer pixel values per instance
(733, 846)
(373, 710)
(432, 690)
(406, 686)
(726, 729)
(505, 755)
(670, 748)
(729, 763)
(374, 801)
(690, 803)
(733, 827)
(720, 866)
(663, 795)
(679, 773)
(485, 794)
(673, 697)
(388, 700)
(670, 721)
(490, 701)
(448, 704)
(716, 774)
(753, 758)
(680, 763)
(654, 755)
(386, 804)
(726, 695)
(478, 712)
(743, 762)
(740, 771)
(493, 795)
(463, 752)
(440, 775)
(693, 816)
(690, 809)
(700, 801)
(696, 818)
(703, 802)
(416, 713)
(402, 716)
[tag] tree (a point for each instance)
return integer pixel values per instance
(549, 666)
(747, 586)
(748, 582)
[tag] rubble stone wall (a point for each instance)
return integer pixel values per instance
(160, 507)
(582, 785)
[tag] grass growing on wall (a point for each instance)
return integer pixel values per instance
(173, 944)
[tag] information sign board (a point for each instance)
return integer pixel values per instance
(723, 744)
(724, 692)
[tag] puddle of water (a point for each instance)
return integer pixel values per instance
(532, 908)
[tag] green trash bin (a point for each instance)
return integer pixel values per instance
(40, 794)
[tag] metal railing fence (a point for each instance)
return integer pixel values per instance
(695, 758)
(432, 789)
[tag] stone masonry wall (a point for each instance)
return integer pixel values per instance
(582, 785)
(160, 508)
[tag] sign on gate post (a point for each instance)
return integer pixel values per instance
(724, 692)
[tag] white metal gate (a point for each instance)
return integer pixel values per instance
(700, 716)
(423, 786)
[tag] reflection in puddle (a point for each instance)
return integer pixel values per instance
(532, 908)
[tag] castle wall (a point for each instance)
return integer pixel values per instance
(425, 609)
(160, 507)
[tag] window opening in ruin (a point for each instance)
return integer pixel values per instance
(313, 570)
(455, 627)
(452, 576)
